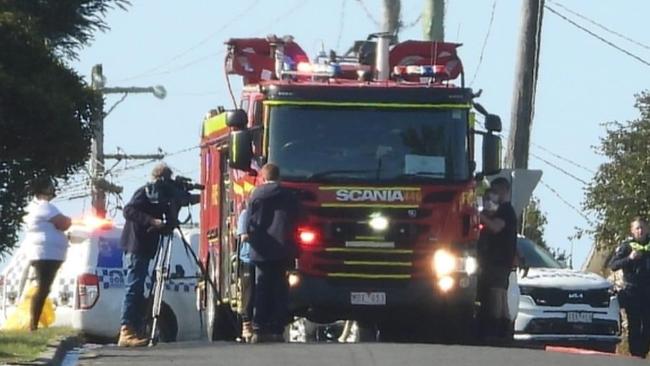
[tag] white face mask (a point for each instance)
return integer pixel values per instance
(491, 206)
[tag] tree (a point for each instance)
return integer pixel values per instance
(620, 188)
(46, 108)
(534, 222)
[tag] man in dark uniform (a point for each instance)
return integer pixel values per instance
(272, 215)
(633, 257)
(144, 216)
(499, 236)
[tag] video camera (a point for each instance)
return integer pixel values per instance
(175, 193)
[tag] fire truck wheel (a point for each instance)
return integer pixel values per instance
(219, 319)
(367, 332)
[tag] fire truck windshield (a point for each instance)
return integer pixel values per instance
(369, 144)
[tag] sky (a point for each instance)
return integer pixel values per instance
(582, 83)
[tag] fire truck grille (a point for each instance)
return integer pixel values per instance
(366, 263)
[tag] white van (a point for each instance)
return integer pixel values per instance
(89, 287)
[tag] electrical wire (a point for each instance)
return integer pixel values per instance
(609, 43)
(208, 57)
(341, 24)
(485, 40)
(368, 13)
(599, 25)
(568, 174)
(577, 165)
(411, 24)
(225, 26)
(567, 203)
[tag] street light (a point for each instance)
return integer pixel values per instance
(98, 186)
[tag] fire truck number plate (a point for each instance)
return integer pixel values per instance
(368, 298)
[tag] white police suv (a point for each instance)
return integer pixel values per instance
(561, 306)
(89, 288)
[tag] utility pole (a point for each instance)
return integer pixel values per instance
(523, 101)
(98, 185)
(433, 20)
(391, 17)
(98, 196)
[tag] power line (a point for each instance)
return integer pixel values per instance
(411, 24)
(565, 159)
(341, 24)
(579, 212)
(207, 57)
(485, 40)
(572, 162)
(368, 13)
(199, 44)
(560, 169)
(611, 44)
(299, 4)
(599, 25)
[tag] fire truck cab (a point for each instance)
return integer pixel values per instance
(378, 146)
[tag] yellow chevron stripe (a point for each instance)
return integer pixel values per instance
(369, 250)
(377, 263)
(370, 276)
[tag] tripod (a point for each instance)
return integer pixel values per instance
(161, 274)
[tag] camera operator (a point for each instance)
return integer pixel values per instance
(144, 224)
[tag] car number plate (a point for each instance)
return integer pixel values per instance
(368, 298)
(579, 317)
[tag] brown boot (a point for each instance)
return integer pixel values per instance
(129, 338)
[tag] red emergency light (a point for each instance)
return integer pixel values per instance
(307, 236)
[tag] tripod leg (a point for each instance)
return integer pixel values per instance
(161, 274)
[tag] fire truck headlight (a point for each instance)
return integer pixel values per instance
(446, 283)
(471, 265)
(294, 279)
(378, 222)
(444, 262)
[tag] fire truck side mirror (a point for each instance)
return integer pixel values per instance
(241, 151)
(237, 119)
(493, 123)
(491, 154)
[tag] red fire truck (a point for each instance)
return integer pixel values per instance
(378, 145)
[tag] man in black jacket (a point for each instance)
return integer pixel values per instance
(144, 216)
(633, 257)
(272, 215)
(499, 236)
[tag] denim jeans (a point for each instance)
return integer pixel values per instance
(133, 306)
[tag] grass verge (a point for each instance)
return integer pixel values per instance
(23, 345)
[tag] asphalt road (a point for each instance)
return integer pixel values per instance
(330, 354)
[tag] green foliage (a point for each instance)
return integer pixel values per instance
(46, 109)
(534, 222)
(620, 189)
(23, 345)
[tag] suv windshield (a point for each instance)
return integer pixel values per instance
(369, 144)
(535, 256)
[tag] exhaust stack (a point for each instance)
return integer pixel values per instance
(382, 65)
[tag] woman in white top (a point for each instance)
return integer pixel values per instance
(45, 242)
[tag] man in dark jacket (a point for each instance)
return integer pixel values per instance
(499, 236)
(144, 216)
(633, 257)
(272, 215)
